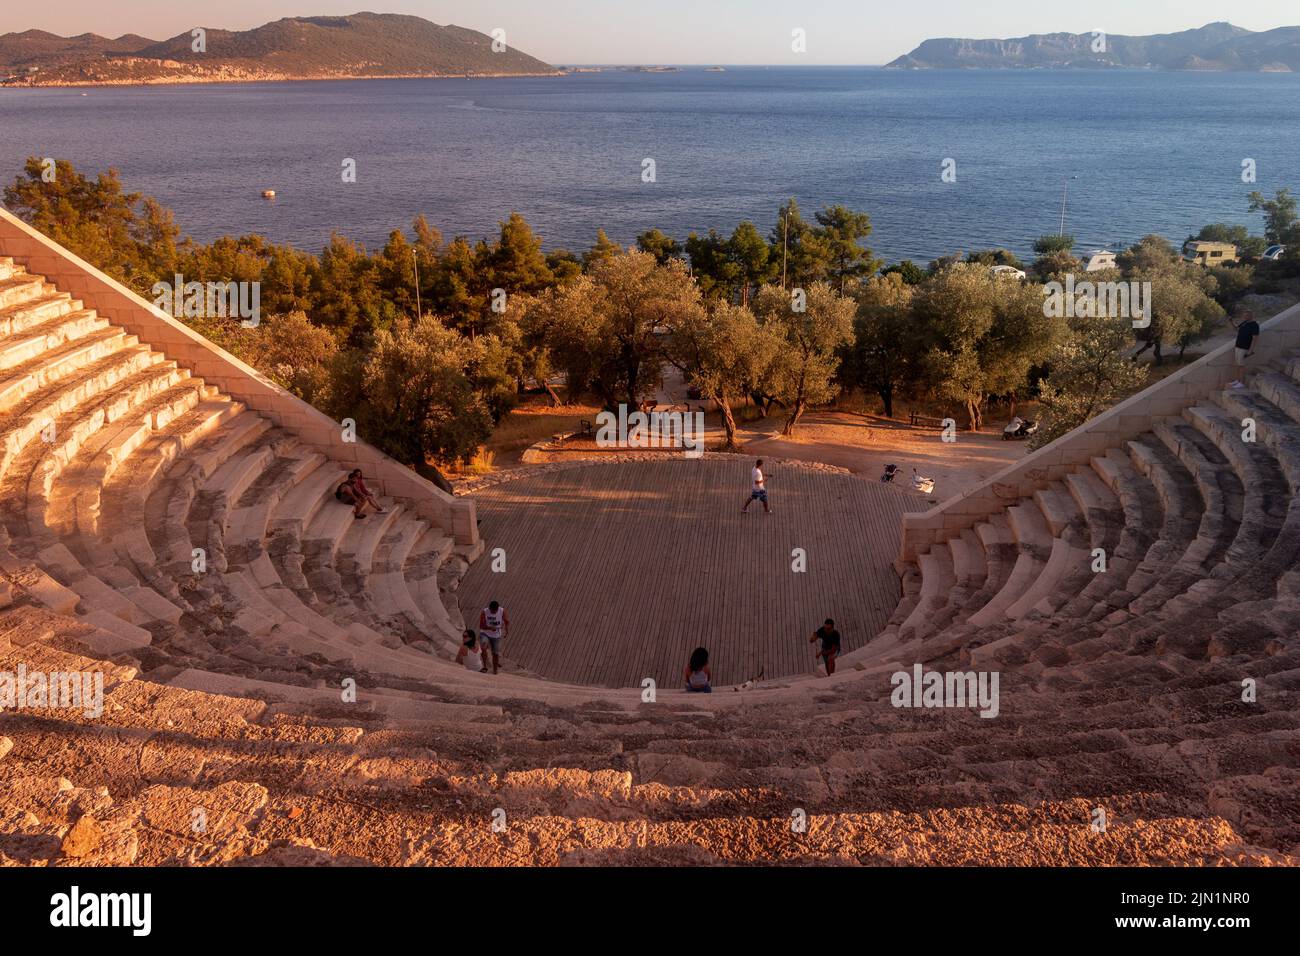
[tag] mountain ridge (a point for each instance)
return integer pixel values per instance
(359, 45)
(1215, 47)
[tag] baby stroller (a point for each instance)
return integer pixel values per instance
(921, 483)
(891, 472)
(1019, 428)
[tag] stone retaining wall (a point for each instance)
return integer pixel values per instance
(122, 307)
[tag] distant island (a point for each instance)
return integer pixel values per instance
(1217, 47)
(360, 46)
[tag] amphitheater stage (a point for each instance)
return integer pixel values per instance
(616, 572)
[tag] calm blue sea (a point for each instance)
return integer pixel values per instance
(1140, 152)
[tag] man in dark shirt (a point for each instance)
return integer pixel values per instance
(830, 639)
(1247, 333)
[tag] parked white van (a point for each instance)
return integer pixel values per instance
(1099, 260)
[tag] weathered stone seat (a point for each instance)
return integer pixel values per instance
(1033, 543)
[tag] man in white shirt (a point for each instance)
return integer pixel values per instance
(758, 488)
(493, 625)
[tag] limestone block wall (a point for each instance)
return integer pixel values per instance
(1128, 419)
(122, 307)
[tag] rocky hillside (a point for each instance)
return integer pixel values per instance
(361, 45)
(1216, 46)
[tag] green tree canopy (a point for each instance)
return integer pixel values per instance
(840, 233)
(660, 245)
(724, 353)
(812, 325)
(888, 351)
(418, 401)
(130, 237)
(1280, 220)
(1089, 371)
(1182, 307)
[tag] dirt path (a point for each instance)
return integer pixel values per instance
(864, 444)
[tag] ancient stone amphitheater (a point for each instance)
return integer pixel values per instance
(1147, 712)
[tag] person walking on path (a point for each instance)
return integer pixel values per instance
(493, 625)
(699, 679)
(830, 646)
(758, 488)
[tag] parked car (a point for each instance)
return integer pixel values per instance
(1273, 253)
(1004, 271)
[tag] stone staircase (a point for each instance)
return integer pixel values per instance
(227, 681)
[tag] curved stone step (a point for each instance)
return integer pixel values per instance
(1183, 510)
(1064, 575)
(998, 544)
(133, 526)
(937, 581)
(1273, 426)
(230, 686)
(296, 509)
(1099, 505)
(970, 567)
(1220, 488)
(249, 526)
(1265, 489)
(40, 337)
(21, 288)
(155, 396)
(18, 318)
(1034, 542)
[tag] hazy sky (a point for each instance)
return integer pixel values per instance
(681, 31)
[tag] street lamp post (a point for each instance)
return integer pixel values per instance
(416, 263)
(1065, 189)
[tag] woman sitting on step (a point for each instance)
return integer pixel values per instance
(698, 676)
(359, 486)
(468, 654)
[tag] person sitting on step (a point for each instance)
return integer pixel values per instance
(348, 494)
(468, 648)
(358, 481)
(698, 676)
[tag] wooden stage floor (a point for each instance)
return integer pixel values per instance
(616, 572)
